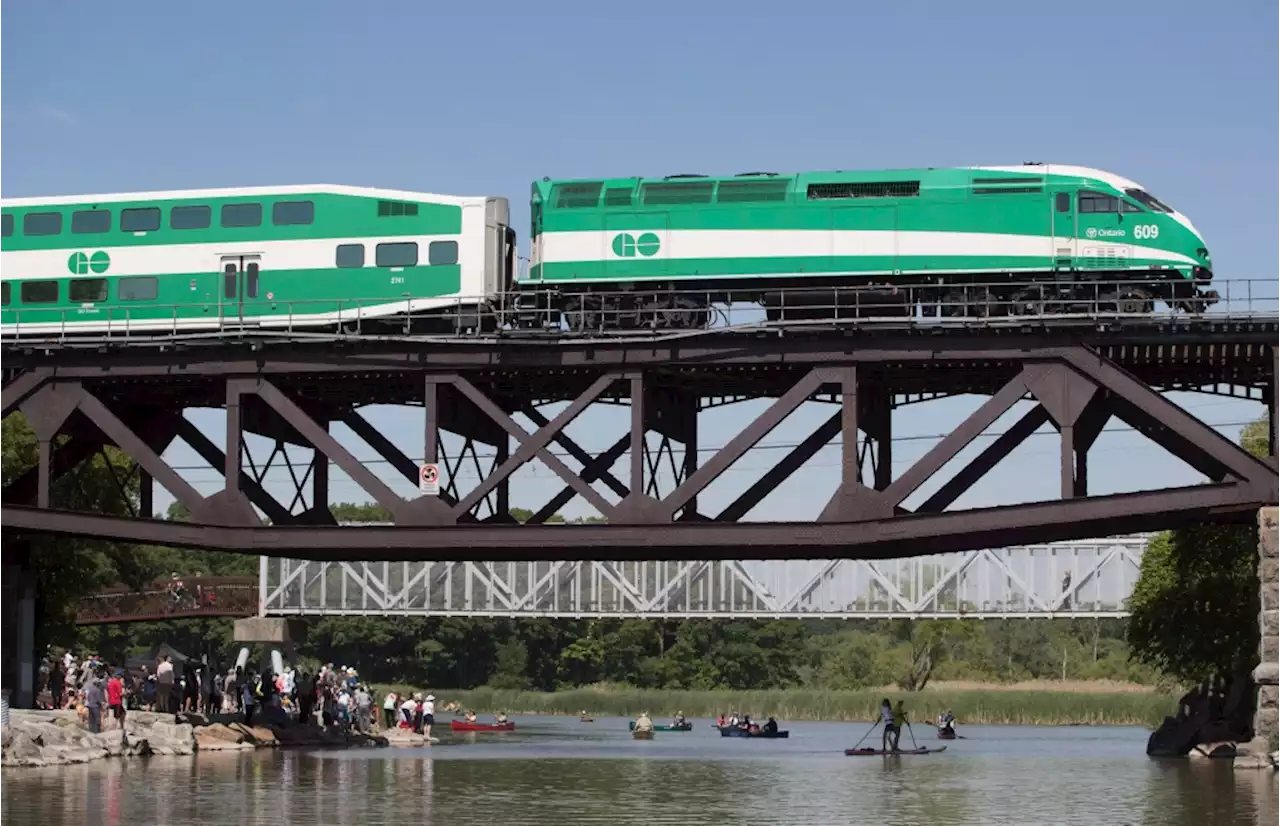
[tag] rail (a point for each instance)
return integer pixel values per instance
(1005, 304)
(191, 597)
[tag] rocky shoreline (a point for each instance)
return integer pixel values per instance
(57, 738)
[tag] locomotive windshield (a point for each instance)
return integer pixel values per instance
(1149, 201)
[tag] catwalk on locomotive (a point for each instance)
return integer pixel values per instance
(605, 255)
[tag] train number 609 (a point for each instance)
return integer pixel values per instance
(1144, 231)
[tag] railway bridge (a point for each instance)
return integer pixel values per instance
(1074, 374)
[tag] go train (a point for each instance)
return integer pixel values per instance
(605, 253)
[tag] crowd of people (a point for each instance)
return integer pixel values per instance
(331, 697)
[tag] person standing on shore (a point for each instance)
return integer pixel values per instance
(115, 698)
(164, 685)
(389, 710)
(94, 699)
(428, 714)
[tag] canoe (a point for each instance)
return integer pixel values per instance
(641, 735)
(463, 725)
(668, 727)
(946, 734)
(867, 752)
(733, 731)
(586, 719)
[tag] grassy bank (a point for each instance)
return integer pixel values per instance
(1025, 706)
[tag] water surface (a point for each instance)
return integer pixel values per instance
(556, 771)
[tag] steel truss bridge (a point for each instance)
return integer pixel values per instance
(1081, 373)
(1065, 579)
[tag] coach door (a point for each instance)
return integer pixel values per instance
(1064, 231)
(242, 293)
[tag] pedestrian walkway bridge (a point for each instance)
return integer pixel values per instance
(1092, 578)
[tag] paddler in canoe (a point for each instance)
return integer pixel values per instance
(947, 725)
(678, 721)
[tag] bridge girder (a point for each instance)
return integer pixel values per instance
(1076, 380)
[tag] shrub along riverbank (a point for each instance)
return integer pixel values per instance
(994, 705)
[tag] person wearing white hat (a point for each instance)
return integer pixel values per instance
(428, 715)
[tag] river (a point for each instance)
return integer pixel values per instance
(557, 771)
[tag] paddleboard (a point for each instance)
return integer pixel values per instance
(874, 752)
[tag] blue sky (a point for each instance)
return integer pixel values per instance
(482, 99)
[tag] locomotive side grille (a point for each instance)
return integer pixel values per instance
(875, 189)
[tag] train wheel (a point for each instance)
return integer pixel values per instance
(1127, 301)
(1027, 303)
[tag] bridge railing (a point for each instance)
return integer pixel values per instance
(172, 599)
(1008, 302)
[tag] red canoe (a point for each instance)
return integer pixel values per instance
(463, 725)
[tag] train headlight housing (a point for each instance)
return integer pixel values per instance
(1203, 253)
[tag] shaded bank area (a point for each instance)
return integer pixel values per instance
(971, 705)
(59, 738)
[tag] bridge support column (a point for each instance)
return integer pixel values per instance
(1265, 721)
(19, 630)
(277, 634)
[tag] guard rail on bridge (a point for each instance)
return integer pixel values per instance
(188, 598)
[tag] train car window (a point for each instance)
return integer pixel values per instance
(1096, 202)
(141, 219)
(395, 209)
(251, 280)
(7, 221)
(42, 223)
(400, 254)
(138, 288)
(442, 252)
(87, 290)
(1128, 206)
(242, 215)
(4, 293)
(1063, 200)
(230, 281)
(288, 213)
(190, 217)
(87, 221)
(350, 256)
(39, 292)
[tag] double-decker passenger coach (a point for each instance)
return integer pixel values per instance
(316, 256)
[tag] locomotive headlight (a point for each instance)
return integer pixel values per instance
(1203, 253)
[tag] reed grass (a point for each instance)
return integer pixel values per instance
(972, 705)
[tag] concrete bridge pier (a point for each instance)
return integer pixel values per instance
(278, 634)
(1266, 719)
(18, 627)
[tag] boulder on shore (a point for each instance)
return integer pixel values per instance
(57, 738)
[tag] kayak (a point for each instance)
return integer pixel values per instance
(667, 727)
(733, 731)
(946, 734)
(586, 719)
(641, 735)
(867, 752)
(463, 725)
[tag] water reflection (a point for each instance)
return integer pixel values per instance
(556, 776)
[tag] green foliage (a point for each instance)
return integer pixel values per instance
(971, 707)
(1195, 605)
(66, 569)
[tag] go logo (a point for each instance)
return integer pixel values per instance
(82, 264)
(626, 245)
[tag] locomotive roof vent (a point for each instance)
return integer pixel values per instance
(687, 175)
(755, 174)
(1033, 163)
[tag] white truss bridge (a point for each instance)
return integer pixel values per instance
(1090, 578)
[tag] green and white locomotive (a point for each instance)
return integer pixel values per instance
(1036, 237)
(619, 253)
(298, 257)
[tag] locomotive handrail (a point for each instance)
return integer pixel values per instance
(974, 305)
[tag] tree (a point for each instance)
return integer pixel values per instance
(65, 568)
(1194, 611)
